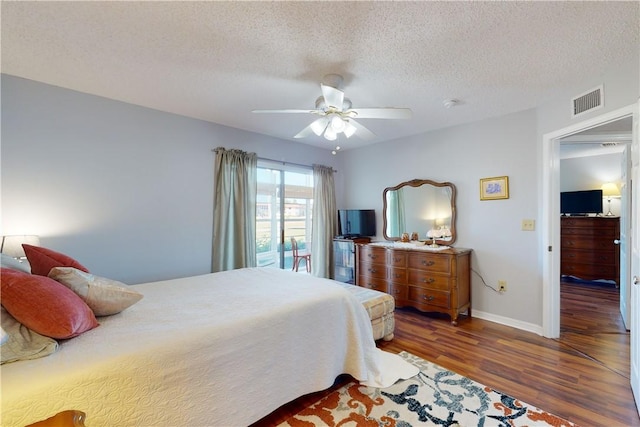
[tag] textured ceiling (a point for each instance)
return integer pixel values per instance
(217, 61)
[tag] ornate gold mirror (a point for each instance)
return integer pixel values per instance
(420, 205)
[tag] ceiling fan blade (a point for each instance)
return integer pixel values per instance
(332, 97)
(380, 113)
(286, 111)
(317, 127)
(361, 131)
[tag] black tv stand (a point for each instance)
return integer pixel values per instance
(344, 257)
(350, 237)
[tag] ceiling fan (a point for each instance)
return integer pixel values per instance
(337, 116)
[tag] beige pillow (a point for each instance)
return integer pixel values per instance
(104, 296)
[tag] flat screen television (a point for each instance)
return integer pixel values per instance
(357, 222)
(581, 202)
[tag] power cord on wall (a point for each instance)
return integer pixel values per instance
(485, 283)
(580, 352)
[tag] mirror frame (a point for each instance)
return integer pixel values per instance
(418, 183)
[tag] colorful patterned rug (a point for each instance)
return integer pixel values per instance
(435, 397)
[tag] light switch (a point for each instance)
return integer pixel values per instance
(528, 224)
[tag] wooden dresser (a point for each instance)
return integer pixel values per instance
(433, 281)
(587, 248)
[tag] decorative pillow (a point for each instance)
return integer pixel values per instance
(42, 260)
(10, 262)
(104, 296)
(44, 305)
(21, 343)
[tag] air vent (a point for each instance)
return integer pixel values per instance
(589, 101)
(609, 144)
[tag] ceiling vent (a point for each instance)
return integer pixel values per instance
(588, 101)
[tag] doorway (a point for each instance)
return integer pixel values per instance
(550, 216)
(598, 159)
(594, 309)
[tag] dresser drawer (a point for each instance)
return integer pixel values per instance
(398, 259)
(431, 262)
(372, 283)
(589, 257)
(592, 226)
(424, 296)
(378, 271)
(589, 271)
(397, 274)
(578, 242)
(399, 292)
(373, 254)
(429, 280)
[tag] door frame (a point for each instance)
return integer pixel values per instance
(550, 215)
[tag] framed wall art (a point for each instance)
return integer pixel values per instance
(494, 188)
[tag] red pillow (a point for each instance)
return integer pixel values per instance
(42, 260)
(44, 305)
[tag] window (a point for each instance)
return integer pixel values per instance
(284, 206)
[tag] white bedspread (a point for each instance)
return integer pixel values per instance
(222, 349)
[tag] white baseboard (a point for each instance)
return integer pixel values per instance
(507, 321)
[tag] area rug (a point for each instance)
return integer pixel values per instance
(434, 397)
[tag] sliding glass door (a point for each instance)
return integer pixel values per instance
(284, 205)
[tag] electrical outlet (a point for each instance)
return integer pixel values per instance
(502, 285)
(528, 225)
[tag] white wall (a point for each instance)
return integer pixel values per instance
(126, 190)
(509, 145)
(590, 172)
(463, 155)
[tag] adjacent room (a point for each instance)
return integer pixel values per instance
(315, 213)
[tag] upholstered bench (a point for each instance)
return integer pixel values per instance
(379, 306)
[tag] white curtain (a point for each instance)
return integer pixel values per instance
(234, 210)
(325, 225)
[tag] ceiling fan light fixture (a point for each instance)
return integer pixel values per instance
(349, 129)
(319, 126)
(330, 134)
(337, 123)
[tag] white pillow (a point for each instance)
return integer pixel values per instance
(104, 296)
(20, 342)
(7, 261)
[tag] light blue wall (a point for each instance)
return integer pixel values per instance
(504, 146)
(510, 145)
(126, 190)
(590, 172)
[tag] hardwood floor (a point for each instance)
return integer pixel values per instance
(583, 376)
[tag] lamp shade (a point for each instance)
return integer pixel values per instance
(610, 190)
(12, 245)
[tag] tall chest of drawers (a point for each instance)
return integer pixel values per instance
(431, 281)
(587, 248)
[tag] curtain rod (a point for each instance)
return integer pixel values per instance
(286, 163)
(290, 163)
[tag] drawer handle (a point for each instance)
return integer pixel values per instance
(397, 259)
(396, 291)
(428, 263)
(372, 256)
(397, 275)
(372, 270)
(429, 280)
(427, 297)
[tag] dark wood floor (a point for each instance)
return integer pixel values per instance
(583, 376)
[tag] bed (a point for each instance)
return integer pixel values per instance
(218, 349)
